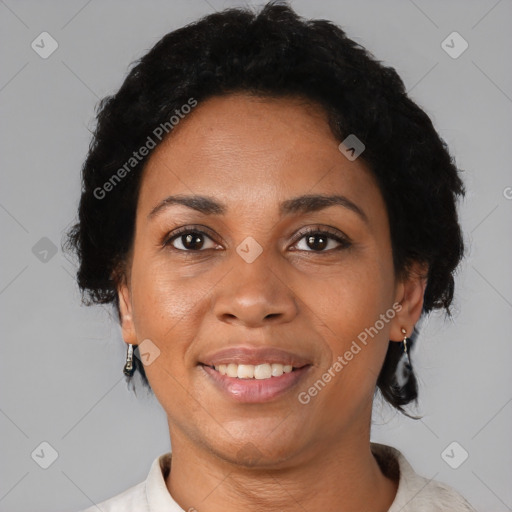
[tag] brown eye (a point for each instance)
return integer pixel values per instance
(321, 241)
(317, 242)
(190, 240)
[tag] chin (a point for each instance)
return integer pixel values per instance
(258, 444)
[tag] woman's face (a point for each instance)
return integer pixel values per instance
(247, 272)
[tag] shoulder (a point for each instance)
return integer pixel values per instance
(130, 500)
(150, 495)
(416, 493)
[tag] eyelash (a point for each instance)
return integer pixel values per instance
(344, 241)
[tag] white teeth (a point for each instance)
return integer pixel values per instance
(277, 370)
(262, 371)
(232, 370)
(245, 371)
(250, 371)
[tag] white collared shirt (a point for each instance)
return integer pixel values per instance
(415, 493)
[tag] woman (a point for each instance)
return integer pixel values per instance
(270, 215)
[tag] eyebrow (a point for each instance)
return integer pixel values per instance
(301, 204)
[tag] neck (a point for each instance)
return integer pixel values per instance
(341, 477)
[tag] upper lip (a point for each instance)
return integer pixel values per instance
(254, 356)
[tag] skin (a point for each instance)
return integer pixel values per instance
(252, 154)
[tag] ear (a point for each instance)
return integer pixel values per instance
(409, 294)
(126, 312)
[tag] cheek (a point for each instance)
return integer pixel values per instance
(167, 311)
(350, 304)
(351, 299)
(163, 299)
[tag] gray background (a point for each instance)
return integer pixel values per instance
(60, 372)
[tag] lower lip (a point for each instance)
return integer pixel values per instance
(256, 390)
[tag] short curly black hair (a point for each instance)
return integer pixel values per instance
(275, 53)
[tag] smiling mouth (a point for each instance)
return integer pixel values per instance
(257, 383)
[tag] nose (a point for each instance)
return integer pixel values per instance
(254, 295)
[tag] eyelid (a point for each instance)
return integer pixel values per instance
(175, 233)
(334, 233)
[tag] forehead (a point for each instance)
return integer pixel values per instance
(247, 150)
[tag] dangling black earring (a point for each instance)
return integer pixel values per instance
(404, 332)
(129, 367)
